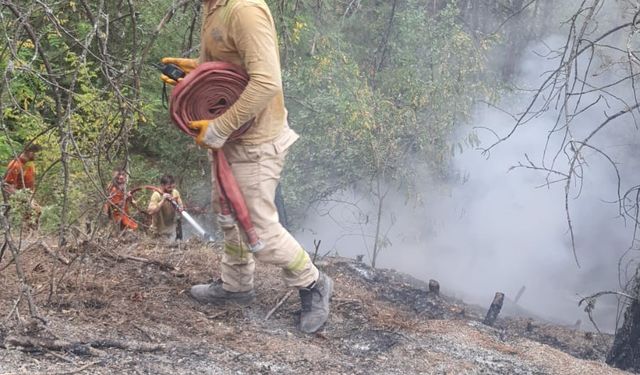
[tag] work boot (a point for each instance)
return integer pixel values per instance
(315, 304)
(214, 294)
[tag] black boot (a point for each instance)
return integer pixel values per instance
(315, 304)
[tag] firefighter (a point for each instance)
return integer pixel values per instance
(243, 32)
(21, 171)
(164, 207)
(118, 201)
(21, 175)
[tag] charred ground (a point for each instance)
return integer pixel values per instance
(120, 306)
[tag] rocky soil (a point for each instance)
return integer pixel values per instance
(120, 307)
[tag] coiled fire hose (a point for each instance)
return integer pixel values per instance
(204, 94)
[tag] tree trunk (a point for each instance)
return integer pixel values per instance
(625, 352)
(517, 39)
(376, 243)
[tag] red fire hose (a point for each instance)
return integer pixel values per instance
(204, 94)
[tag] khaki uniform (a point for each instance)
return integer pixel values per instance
(243, 32)
(163, 222)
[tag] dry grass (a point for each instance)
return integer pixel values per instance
(133, 291)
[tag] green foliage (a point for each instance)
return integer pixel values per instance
(81, 110)
(50, 219)
(375, 96)
(374, 88)
(9, 149)
(22, 215)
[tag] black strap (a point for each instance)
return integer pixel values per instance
(165, 96)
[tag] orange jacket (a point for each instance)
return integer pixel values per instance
(19, 172)
(119, 209)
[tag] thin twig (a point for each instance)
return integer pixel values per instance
(316, 245)
(15, 306)
(60, 356)
(162, 265)
(284, 298)
(80, 369)
(56, 255)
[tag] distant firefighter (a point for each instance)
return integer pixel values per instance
(118, 200)
(163, 208)
(21, 175)
(21, 171)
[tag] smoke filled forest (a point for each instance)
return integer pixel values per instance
(491, 145)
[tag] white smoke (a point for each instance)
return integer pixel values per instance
(500, 229)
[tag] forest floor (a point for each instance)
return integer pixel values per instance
(121, 307)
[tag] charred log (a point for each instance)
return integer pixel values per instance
(494, 309)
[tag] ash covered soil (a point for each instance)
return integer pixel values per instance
(121, 307)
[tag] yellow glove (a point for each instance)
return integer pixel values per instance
(186, 65)
(208, 135)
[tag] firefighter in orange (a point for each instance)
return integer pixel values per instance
(21, 171)
(118, 200)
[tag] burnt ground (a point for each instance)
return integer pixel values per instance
(120, 307)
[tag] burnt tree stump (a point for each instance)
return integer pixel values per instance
(520, 293)
(494, 309)
(434, 287)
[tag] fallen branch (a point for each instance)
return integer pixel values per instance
(162, 265)
(56, 255)
(144, 331)
(60, 356)
(34, 343)
(339, 302)
(286, 296)
(80, 369)
(138, 347)
(80, 348)
(217, 315)
(22, 252)
(15, 306)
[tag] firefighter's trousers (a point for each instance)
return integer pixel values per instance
(257, 171)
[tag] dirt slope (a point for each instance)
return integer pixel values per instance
(120, 308)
